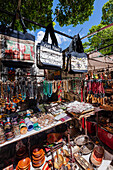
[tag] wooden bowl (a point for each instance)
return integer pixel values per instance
(38, 158)
(24, 163)
(39, 163)
(37, 152)
(27, 168)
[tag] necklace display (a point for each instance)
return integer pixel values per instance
(19, 90)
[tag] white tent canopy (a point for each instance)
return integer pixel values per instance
(97, 61)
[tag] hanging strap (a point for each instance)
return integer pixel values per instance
(50, 30)
(76, 45)
(21, 21)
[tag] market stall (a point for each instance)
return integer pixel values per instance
(41, 121)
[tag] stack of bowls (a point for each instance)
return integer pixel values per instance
(24, 164)
(38, 157)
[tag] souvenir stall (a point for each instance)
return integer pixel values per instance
(98, 91)
(40, 121)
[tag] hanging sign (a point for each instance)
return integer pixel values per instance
(49, 56)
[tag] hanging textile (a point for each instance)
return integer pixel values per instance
(49, 56)
(17, 49)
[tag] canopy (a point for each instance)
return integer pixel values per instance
(97, 61)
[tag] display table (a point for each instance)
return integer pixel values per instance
(104, 166)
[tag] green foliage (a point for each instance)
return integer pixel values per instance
(105, 37)
(99, 40)
(107, 12)
(40, 11)
(74, 12)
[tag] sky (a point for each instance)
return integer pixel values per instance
(63, 41)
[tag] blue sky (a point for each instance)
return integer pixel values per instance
(64, 42)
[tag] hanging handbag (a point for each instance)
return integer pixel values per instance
(17, 49)
(75, 57)
(49, 56)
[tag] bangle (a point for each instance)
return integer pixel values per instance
(7, 123)
(22, 125)
(10, 138)
(1, 123)
(36, 126)
(30, 126)
(27, 120)
(2, 141)
(7, 127)
(21, 122)
(16, 130)
(23, 130)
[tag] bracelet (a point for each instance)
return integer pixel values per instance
(36, 126)
(23, 130)
(30, 126)
(22, 125)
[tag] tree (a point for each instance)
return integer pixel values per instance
(102, 38)
(74, 12)
(107, 12)
(70, 12)
(39, 11)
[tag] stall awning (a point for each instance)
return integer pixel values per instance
(97, 61)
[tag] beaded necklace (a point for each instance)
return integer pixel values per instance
(54, 86)
(66, 85)
(49, 89)
(69, 85)
(45, 84)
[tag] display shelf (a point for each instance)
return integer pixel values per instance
(34, 132)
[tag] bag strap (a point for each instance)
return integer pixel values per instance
(21, 21)
(50, 30)
(76, 45)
